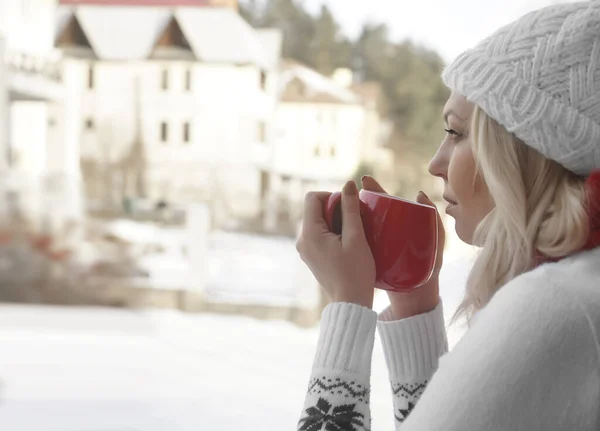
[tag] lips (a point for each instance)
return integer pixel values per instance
(451, 204)
(450, 201)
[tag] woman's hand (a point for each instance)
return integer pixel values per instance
(425, 298)
(342, 264)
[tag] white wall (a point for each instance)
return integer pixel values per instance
(38, 132)
(296, 167)
(64, 140)
(29, 136)
(224, 107)
(303, 127)
(28, 25)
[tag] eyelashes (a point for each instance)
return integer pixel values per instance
(454, 134)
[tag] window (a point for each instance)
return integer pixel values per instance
(89, 124)
(186, 132)
(265, 184)
(263, 80)
(91, 77)
(164, 132)
(188, 79)
(262, 132)
(165, 79)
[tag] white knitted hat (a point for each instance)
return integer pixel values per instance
(540, 78)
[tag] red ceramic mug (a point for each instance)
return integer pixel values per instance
(402, 236)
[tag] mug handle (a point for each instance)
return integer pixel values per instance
(333, 213)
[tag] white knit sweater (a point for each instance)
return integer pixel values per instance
(530, 361)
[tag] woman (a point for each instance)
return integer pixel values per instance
(518, 162)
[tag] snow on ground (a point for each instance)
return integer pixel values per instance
(85, 369)
(255, 269)
(90, 369)
(65, 369)
(242, 268)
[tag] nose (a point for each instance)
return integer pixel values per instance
(438, 166)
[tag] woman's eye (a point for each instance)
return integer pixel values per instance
(454, 134)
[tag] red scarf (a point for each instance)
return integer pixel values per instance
(592, 185)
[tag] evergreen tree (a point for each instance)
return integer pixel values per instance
(297, 26)
(250, 10)
(329, 49)
(372, 53)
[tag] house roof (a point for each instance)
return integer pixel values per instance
(371, 93)
(216, 35)
(62, 18)
(110, 31)
(317, 88)
(221, 35)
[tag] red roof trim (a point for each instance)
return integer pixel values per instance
(138, 2)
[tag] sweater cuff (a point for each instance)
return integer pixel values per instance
(413, 346)
(346, 339)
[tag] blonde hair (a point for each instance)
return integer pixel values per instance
(539, 208)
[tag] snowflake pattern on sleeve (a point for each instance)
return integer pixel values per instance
(339, 387)
(336, 404)
(338, 418)
(406, 396)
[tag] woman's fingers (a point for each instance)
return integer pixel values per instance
(313, 221)
(369, 183)
(352, 227)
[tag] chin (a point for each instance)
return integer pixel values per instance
(465, 235)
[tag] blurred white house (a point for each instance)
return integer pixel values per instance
(324, 129)
(176, 104)
(376, 157)
(39, 164)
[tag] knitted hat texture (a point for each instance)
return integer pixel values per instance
(540, 78)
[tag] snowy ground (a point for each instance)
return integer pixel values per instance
(107, 370)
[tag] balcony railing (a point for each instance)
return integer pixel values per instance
(25, 63)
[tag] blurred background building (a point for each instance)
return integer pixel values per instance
(152, 149)
(143, 141)
(39, 165)
(324, 129)
(178, 112)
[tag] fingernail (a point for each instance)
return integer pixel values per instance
(350, 188)
(365, 176)
(423, 195)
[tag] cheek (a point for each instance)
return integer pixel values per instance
(462, 175)
(470, 192)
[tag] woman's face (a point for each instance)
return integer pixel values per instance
(468, 197)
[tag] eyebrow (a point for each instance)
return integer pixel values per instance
(451, 112)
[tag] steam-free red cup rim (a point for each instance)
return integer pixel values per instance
(396, 198)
